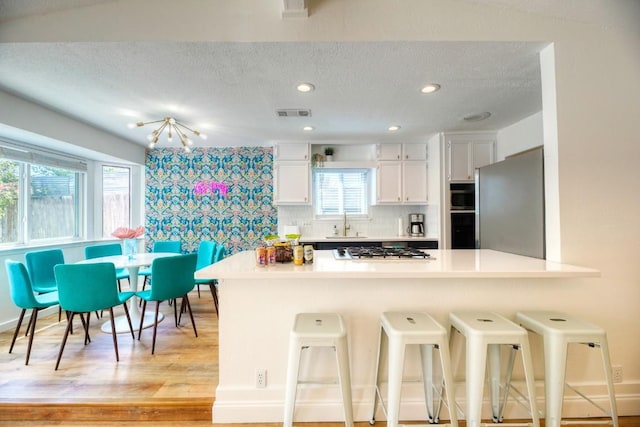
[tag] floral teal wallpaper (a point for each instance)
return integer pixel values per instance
(231, 205)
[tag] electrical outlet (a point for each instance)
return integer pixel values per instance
(617, 373)
(261, 378)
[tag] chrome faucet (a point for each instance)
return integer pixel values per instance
(345, 226)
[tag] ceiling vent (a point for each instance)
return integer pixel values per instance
(293, 113)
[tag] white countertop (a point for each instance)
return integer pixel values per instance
(449, 263)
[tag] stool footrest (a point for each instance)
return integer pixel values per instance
(524, 424)
(585, 397)
(590, 422)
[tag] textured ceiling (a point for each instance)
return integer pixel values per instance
(232, 90)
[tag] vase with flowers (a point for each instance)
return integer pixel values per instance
(129, 239)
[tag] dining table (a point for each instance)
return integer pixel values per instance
(132, 263)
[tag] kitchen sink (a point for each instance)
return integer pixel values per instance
(345, 237)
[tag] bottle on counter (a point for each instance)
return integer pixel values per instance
(308, 254)
(271, 255)
(261, 256)
(298, 255)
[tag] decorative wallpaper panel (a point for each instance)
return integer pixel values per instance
(222, 194)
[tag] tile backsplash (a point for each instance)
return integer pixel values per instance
(382, 221)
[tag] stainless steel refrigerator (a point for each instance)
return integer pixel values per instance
(510, 205)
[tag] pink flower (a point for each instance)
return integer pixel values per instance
(128, 233)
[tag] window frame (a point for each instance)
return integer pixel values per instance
(367, 194)
(26, 157)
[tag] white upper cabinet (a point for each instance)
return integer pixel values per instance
(291, 183)
(465, 153)
(389, 152)
(401, 183)
(291, 174)
(389, 183)
(414, 178)
(291, 151)
(414, 151)
(401, 152)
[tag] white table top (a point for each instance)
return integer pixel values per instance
(445, 264)
(123, 261)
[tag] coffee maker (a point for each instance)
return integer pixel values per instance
(416, 225)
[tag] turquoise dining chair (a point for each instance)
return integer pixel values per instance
(23, 297)
(206, 255)
(83, 288)
(172, 246)
(40, 266)
(97, 251)
(172, 279)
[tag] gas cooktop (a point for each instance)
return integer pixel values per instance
(378, 253)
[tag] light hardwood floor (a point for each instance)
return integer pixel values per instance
(174, 387)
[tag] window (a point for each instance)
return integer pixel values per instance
(9, 196)
(116, 199)
(40, 195)
(53, 208)
(340, 191)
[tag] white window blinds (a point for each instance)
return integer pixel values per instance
(339, 191)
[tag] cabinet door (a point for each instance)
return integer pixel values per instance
(389, 151)
(415, 182)
(291, 183)
(459, 161)
(483, 154)
(291, 151)
(389, 182)
(414, 151)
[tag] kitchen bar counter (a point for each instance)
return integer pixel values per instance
(450, 264)
(258, 305)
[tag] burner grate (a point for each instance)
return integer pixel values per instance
(383, 253)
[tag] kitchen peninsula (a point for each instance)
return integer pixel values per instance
(258, 304)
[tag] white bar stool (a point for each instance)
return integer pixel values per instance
(318, 330)
(558, 331)
(486, 332)
(400, 329)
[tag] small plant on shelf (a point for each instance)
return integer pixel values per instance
(328, 152)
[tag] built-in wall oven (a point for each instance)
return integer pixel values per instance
(463, 230)
(462, 197)
(462, 210)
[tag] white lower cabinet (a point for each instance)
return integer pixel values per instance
(291, 183)
(401, 183)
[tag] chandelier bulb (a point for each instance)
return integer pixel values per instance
(131, 125)
(187, 149)
(150, 137)
(188, 141)
(151, 146)
(170, 136)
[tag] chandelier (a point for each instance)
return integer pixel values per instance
(172, 127)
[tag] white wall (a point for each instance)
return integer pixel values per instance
(597, 98)
(520, 136)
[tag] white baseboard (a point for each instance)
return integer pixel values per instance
(267, 405)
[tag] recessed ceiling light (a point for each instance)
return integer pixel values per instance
(477, 117)
(430, 88)
(308, 128)
(305, 87)
(394, 128)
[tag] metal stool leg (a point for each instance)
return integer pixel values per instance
(344, 376)
(292, 383)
